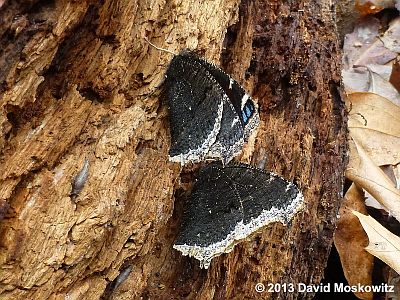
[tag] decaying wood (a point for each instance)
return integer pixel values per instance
(79, 81)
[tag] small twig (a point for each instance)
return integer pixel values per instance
(158, 48)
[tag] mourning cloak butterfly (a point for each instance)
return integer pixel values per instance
(228, 204)
(210, 114)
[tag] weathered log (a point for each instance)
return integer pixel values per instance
(79, 81)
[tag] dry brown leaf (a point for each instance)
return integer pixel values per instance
(383, 87)
(383, 71)
(370, 201)
(375, 109)
(367, 7)
(395, 75)
(356, 80)
(393, 279)
(350, 241)
(364, 79)
(368, 125)
(391, 38)
(363, 47)
(382, 243)
(367, 175)
(396, 172)
(352, 76)
(382, 148)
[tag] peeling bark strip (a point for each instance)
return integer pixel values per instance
(74, 76)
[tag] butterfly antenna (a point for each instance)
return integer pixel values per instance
(159, 48)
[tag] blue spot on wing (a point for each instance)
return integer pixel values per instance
(244, 117)
(247, 111)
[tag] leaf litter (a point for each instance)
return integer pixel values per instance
(371, 78)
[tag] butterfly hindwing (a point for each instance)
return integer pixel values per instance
(261, 192)
(230, 203)
(206, 225)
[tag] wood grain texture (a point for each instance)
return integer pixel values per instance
(79, 81)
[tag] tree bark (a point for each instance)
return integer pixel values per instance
(79, 81)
